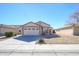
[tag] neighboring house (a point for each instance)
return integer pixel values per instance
(37, 28)
(69, 30)
(7, 28)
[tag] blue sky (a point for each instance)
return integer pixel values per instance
(54, 14)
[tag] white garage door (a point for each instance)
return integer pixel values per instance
(31, 32)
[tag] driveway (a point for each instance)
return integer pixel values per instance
(28, 38)
(31, 38)
(14, 41)
(25, 39)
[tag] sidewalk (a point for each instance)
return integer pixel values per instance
(30, 49)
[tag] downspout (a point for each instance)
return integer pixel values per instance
(22, 30)
(1, 28)
(42, 29)
(73, 27)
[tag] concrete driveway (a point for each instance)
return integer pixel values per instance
(28, 38)
(14, 41)
(31, 38)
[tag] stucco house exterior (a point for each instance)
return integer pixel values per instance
(37, 28)
(7, 28)
(29, 28)
(69, 30)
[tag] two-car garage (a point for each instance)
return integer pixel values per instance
(31, 29)
(31, 32)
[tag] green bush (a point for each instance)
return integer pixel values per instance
(8, 34)
(15, 34)
(41, 41)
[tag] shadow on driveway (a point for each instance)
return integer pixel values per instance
(30, 38)
(1, 34)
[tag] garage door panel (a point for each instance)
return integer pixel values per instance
(31, 32)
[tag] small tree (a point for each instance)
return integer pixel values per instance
(8, 34)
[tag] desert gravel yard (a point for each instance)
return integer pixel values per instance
(63, 39)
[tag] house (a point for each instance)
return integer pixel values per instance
(37, 28)
(69, 30)
(30, 28)
(7, 28)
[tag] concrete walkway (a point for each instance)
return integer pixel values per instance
(29, 49)
(13, 47)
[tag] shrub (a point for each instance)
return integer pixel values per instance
(54, 31)
(41, 41)
(8, 34)
(15, 34)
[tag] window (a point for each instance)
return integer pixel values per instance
(33, 28)
(29, 28)
(26, 29)
(19, 30)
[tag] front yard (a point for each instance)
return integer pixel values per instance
(54, 41)
(57, 38)
(63, 39)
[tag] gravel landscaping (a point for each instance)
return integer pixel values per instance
(63, 39)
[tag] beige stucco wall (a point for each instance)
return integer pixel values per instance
(38, 26)
(20, 29)
(30, 25)
(45, 29)
(5, 29)
(44, 25)
(76, 30)
(66, 32)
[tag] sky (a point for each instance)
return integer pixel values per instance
(54, 14)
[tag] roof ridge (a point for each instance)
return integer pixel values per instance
(43, 22)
